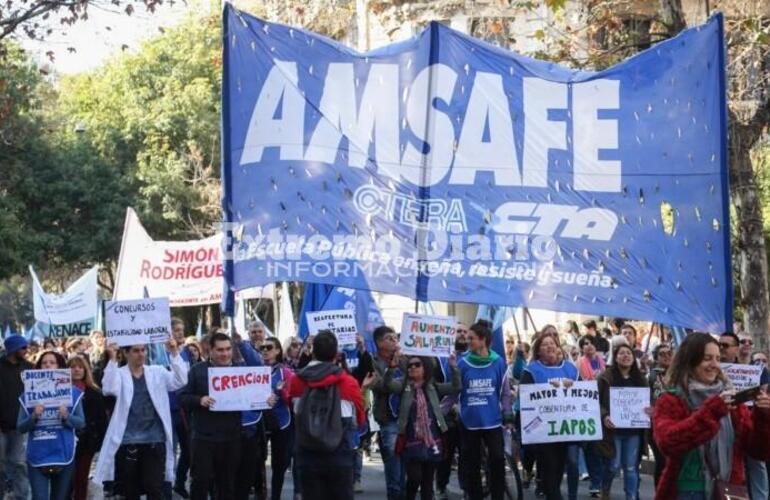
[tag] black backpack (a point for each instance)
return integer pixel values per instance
(319, 419)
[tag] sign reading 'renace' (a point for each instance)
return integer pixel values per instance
(133, 322)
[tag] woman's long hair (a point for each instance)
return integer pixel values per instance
(689, 355)
(278, 347)
(635, 374)
(88, 375)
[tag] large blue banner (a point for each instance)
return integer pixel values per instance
(444, 168)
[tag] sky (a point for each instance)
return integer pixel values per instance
(103, 34)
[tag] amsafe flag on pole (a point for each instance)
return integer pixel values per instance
(445, 168)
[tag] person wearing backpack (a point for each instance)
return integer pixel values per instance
(328, 409)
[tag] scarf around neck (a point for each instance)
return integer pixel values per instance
(475, 359)
(422, 422)
(718, 452)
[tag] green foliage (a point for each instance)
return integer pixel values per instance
(142, 131)
(154, 116)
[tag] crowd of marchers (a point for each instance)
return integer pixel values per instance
(136, 426)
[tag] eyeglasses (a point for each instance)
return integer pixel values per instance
(257, 331)
(747, 342)
(266, 347)
(415, 364)
(760, 361)
(725, 345)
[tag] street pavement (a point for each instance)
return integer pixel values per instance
(374, 485)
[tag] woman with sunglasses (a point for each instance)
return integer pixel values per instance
(420, 420)
(278, 420)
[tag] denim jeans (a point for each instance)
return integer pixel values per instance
(594, 466)
(13, 453)
(573, 476)
(393, 470)
(756, 478)
(54, 487)
(627, 458)
(582, 467)
(359, 466)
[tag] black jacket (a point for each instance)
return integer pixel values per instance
(91, 436)
(11, 387)
(207, 425)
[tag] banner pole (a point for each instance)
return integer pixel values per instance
(516, 327)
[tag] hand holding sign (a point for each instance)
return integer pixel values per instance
(763, 400)
(207, 402)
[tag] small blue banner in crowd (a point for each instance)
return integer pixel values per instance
(445, 168)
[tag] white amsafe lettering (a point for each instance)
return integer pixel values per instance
(486, 141)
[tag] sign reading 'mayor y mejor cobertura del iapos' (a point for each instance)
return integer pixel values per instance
(445, 168)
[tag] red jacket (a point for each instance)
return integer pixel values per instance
(677, 430)
(349, 390)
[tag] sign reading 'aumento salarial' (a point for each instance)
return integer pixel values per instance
(445, 168)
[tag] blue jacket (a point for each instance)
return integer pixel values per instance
(51, 440)
(485, 399)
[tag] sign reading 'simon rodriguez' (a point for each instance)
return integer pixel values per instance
(444, 168)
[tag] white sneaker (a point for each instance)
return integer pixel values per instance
(358, 487)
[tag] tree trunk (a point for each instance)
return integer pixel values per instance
(750, 246)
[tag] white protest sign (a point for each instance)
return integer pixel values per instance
(557, 414)
(49, 388)
(189, 273)
(742, 376)
(76, 305)
(239, 388)
(132, 322)
(341, 322)
(426, 335)
(627, 406)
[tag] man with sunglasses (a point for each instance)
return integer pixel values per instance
(728, 347)
(386, 407)
(733, 349)
(12, 443)
(745, 348)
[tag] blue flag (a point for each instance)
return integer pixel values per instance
(325, 298)
(444, 168)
